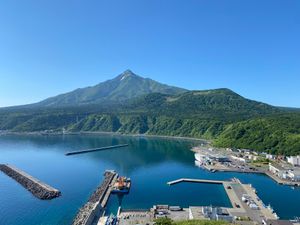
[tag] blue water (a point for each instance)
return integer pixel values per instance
(150, 162)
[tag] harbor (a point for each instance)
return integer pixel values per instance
(252, 207)
(245, 206)
(150, 163)
(36, 187)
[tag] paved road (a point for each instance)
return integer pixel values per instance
(254, 214)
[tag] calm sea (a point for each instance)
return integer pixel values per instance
(149, 162)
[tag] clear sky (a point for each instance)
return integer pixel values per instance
(249, 46)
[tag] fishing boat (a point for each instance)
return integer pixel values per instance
(122, 185)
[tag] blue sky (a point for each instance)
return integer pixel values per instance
(249, 46)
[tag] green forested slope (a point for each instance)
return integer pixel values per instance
(222, 115)
(278, 134)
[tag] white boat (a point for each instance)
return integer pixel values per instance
(270, 208)
(199, 157)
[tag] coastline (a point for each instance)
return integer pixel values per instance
(51, 133)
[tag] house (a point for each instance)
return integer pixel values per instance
(294, 160)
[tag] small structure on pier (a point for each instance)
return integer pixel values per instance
(122, 185)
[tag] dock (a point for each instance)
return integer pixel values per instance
(95, 149)
(35, 186)
(94, 208)
(195, 181)
(235, 191)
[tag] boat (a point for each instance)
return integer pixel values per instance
(111, 220)
(122, 185)
(270, 208)
(198, 157)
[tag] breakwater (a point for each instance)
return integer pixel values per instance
(95, 149)
(96, 203)
(195, 181)
(35, 186)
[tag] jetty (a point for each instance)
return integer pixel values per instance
(254, 208)
(94, 208)
(95, 149)
(35, 186)
(195, 181)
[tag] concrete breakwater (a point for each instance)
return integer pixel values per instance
(195, 181)
(94, 207)
(35, 186)
(95, 149)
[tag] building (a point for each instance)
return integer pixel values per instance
(294, 160)
(270, 156)
(294, 175)
(239, 159)
(252, 157)
(222, 159)
(217, 213)
(278, 170)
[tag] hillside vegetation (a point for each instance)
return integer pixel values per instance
(130, 104)
(278, 134)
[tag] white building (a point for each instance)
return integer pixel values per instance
(253, 157)
(238, 159)
(269, 156)
(278, 170)
(294, 175)
(294, 160)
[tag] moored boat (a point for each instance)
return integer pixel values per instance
(122, 185)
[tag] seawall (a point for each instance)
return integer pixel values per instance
(96, 149)
(35, 186)
(96, 203)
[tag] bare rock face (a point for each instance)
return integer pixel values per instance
(36, 187)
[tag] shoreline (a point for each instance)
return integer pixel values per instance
(47, 133)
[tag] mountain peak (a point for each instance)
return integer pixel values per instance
(129, 72)
(126, 74)
(125, 86)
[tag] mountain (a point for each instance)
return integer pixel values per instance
(202, 114)
(125, 86)
(131, 104)
(222, 103)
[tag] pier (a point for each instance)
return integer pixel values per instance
(235, 190)
(35, 186)
(95, 149)
(195, 181)
(94, 208)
